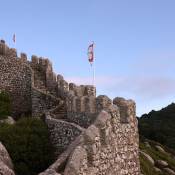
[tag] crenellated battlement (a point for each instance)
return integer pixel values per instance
(40, 61)
(6, 51)
(3, 48)
(107, 128)
(79, 100)
(82, 90)
(43, 76)
(88, 106)
(107, 146)
(23, 57)
(104, 148)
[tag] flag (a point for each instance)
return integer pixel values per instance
(14, 38)
(91, 53)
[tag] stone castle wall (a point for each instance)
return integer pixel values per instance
(97, 135)
(62, 133)
(44, 78)
(16, 78)
(81, 110)
(22, 77)
(109, 146)
(42, 102)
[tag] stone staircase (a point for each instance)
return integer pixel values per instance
(60, 111)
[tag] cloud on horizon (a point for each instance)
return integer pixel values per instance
(144, 90)
(149, 80)
(147, 87)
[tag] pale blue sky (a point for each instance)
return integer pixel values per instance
(134, 43)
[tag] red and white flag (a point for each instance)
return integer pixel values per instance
(91, 53)
(14, 38)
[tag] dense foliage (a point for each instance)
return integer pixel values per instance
(4, 105)
(28, 144)
(159, 126)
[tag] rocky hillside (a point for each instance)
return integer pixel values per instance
(156, 159)
(159, 126)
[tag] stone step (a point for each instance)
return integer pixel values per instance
(60, 116)
(59, 113)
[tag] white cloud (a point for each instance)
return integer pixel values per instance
(144, 90)
(99, 80)
(144, 87)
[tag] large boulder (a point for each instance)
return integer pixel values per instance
(9, 120)
(161, 163)
(4, 156)
(5, 170)
(147, 145)
(169, 171)
(157, 170)
(6, 166)
(159, 148)
(148, 157)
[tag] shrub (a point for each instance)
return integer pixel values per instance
(28, 144)
(5, 106)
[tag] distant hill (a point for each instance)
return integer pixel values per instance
(159, 126)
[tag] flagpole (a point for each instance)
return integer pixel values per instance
(93, 66)
(14, 40)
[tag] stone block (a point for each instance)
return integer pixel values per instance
(23, 57)
(103, 102)
(126, 108)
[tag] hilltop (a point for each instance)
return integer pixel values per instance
(157, 141)
(159, 126)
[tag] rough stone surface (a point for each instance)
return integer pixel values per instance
(161, 163)
(4, 156)
(6, 166)
(148, 157)
(50, 172)
(42, 102)
(147, 145)
(159, 148)
(157, 170)
(169, 171)
(9, 120)
(109, 147)
(62, 133)
(15, 77)
(5, 170)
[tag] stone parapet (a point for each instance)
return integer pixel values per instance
(62, 133)
(16, 79)
(109, 147)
